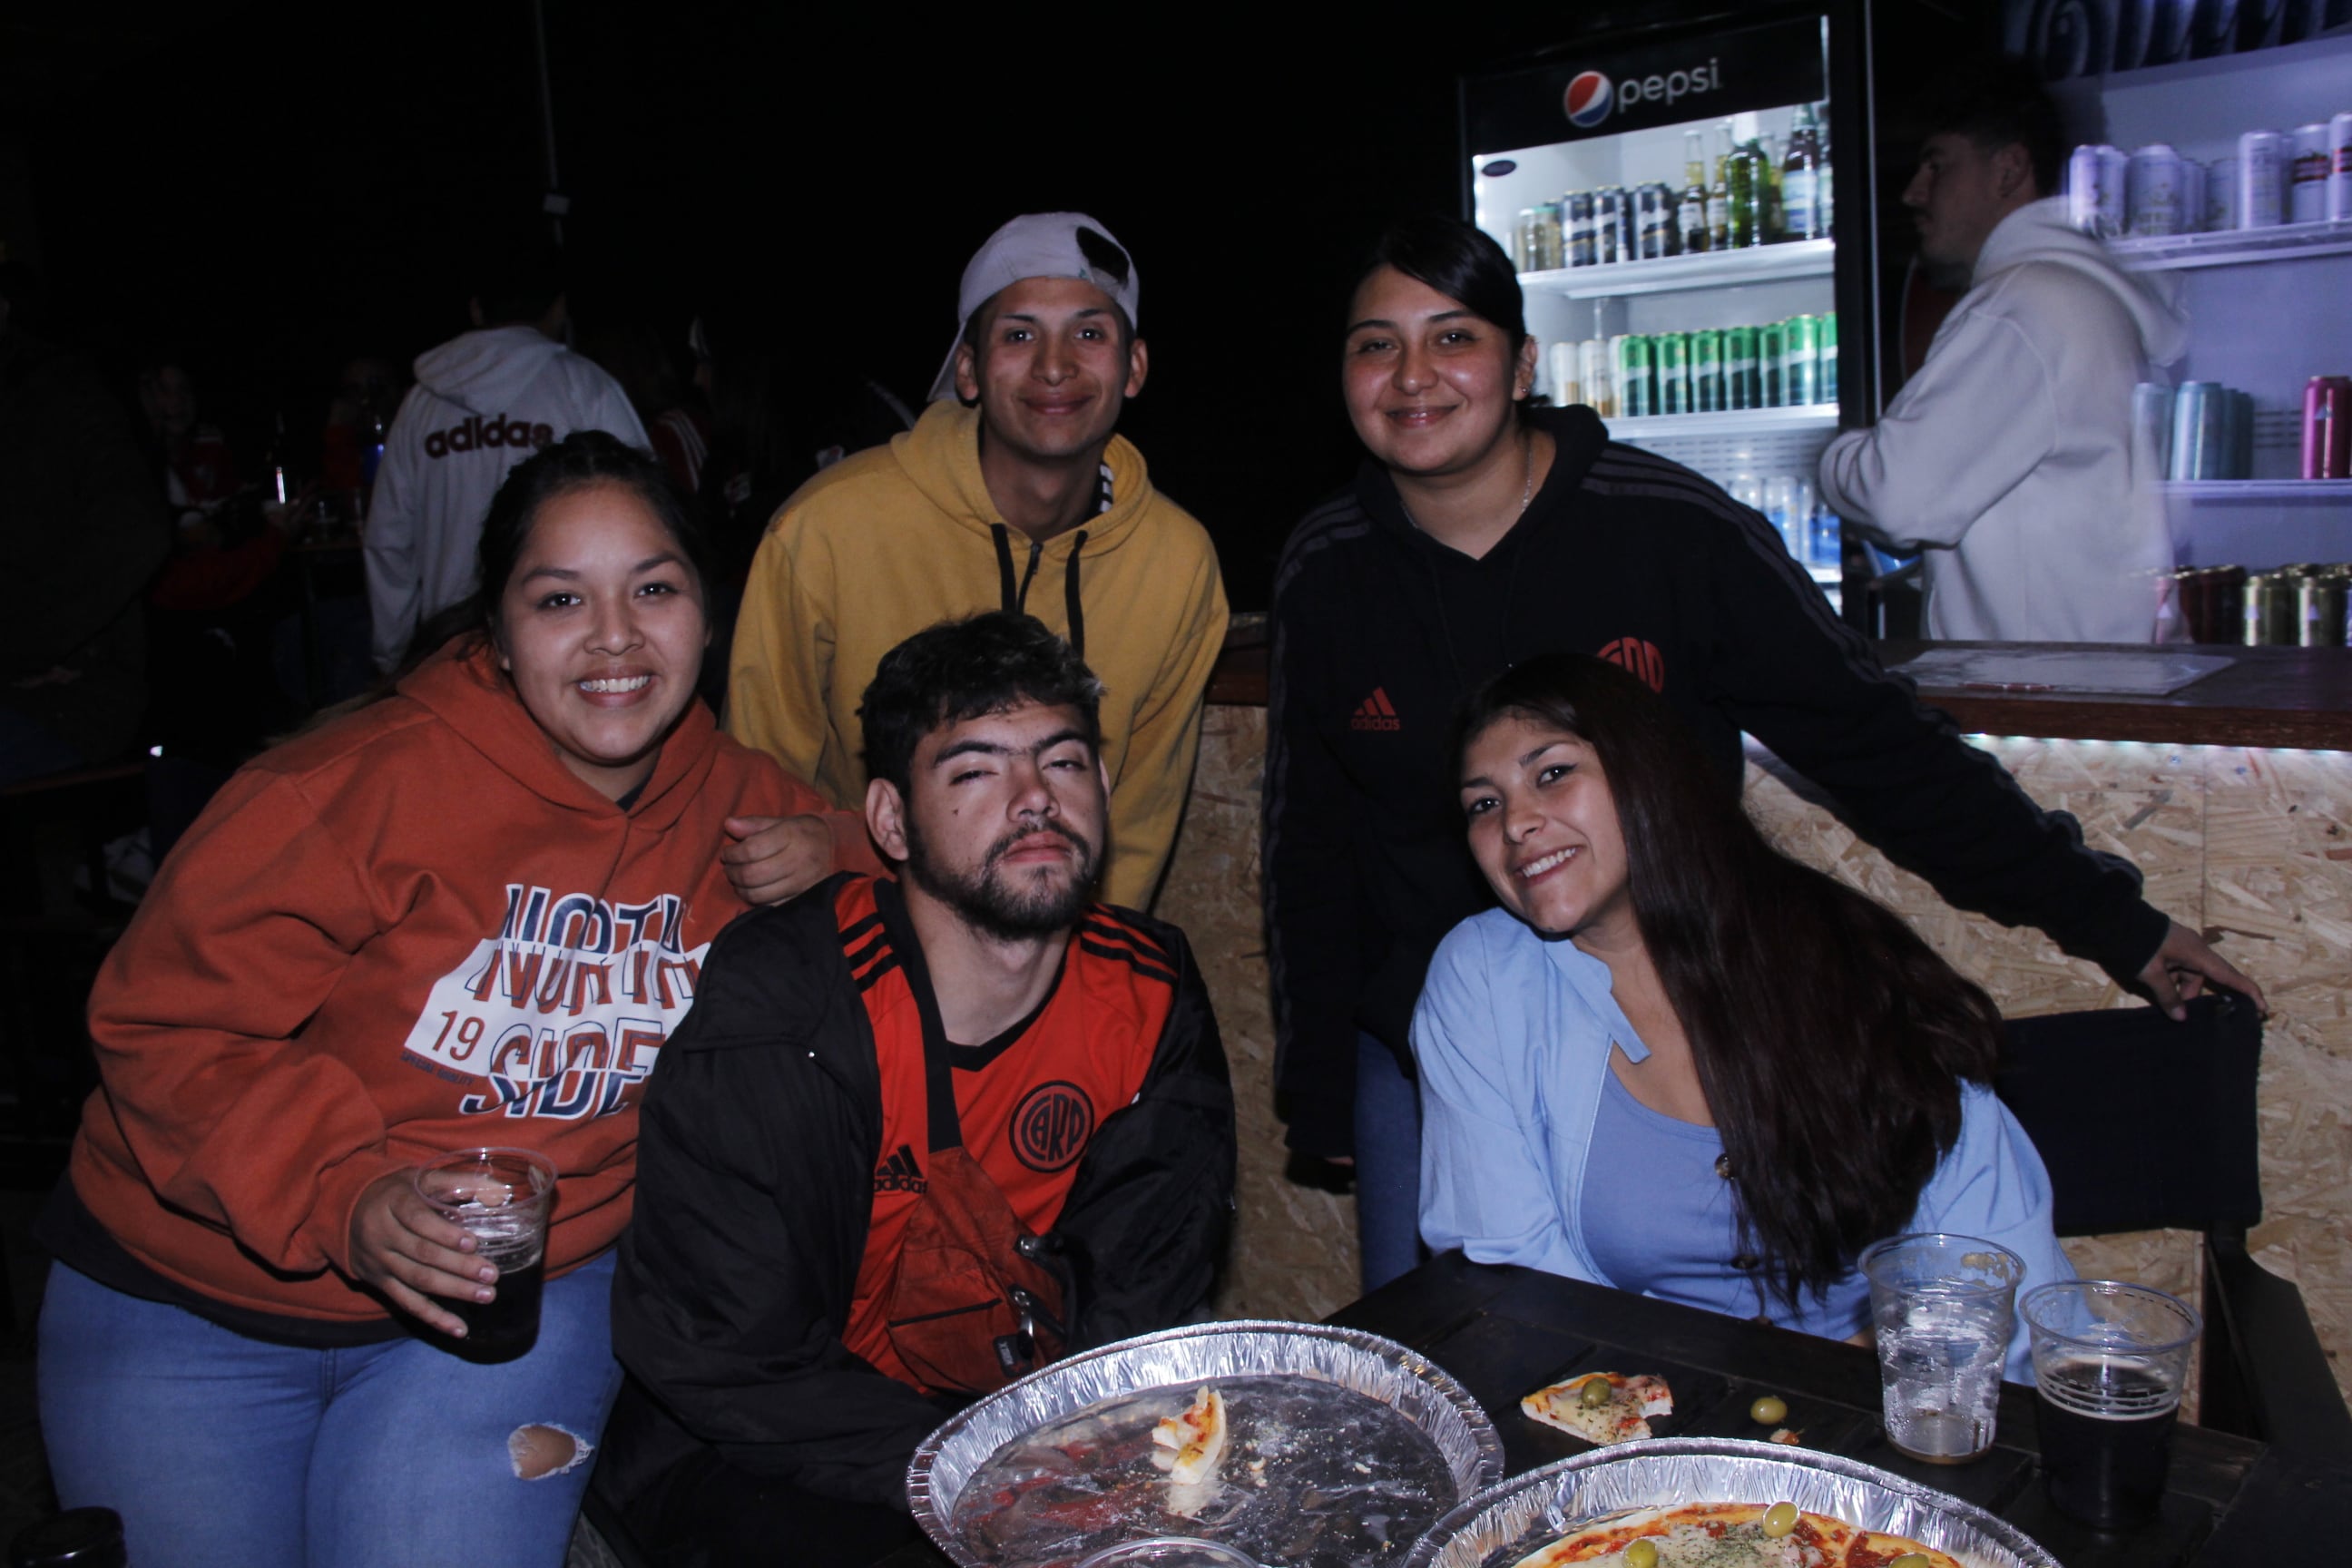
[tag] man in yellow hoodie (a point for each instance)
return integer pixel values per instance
(1012, 492)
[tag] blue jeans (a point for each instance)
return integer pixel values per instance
(221, 1451)
(1388, 1165)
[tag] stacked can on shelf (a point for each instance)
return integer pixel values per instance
(2274, 177)
(2327, 427)
(1636, 375)
(2291, 606)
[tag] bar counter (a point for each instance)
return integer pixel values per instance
(2233, 796)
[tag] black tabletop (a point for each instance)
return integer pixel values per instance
(2231, 1502)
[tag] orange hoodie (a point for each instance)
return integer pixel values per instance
(412, 932)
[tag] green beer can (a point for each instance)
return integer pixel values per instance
(1772, 365)
(1829, 357)
(1801, 340)
(1673, 353)
(1637, 383)
(1707, 391)
(1740, 385)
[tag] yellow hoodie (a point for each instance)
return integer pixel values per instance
(901, 537)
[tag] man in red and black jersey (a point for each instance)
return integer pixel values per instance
(916, 1138)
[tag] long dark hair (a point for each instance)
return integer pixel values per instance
(582, 458)
(1829, 1039)
(1459, 261)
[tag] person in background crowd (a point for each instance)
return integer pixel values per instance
(1674, 1060)
(82, 531)
(1481, 533)
(198, 470)
(780, 1305)
(636, 354)
(355, 961)
(366, 400)
(1012, 492)
(483, 402)
(2009, 457)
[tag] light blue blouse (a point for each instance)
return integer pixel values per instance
(1512, 1036)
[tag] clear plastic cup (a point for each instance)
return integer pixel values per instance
(2109, 1361)
(501, 1197)
(1942, 1308)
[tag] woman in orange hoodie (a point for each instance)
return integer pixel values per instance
(466, 915)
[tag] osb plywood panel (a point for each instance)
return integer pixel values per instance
(1295, 1247)
(2255, 847)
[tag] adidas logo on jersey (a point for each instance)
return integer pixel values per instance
(900, 1173)
(1375, 713)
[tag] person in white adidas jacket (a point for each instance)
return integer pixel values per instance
(2009, 457)
(483, 402)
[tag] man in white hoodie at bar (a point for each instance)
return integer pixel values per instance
(2009, 457)
(483, 402)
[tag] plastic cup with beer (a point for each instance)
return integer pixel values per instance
(501, 1197)
(1941, 1306)
(2110, 1360)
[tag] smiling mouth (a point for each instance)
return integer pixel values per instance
(616, 686)
(1552, 861)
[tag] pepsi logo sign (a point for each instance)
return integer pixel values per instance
(1589, 99)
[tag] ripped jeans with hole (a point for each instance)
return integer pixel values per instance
(221, 1451)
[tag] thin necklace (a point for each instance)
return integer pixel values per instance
(1526, 490)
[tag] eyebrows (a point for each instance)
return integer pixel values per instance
(1084, 313)
(1525, 760)
(566, 575)
(974, 746)
(1455, 314)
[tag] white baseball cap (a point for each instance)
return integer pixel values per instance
(1040, 245)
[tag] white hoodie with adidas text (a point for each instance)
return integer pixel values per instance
(2009, 457)
(482, 402)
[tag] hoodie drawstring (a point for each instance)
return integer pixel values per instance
(1015, 599)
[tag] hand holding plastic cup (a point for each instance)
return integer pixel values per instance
(1941, 1306)
(501, 1197)
(2110, 1360)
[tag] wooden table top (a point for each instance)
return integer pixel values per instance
(2231, 1503)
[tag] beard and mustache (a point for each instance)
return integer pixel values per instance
(1033, 904)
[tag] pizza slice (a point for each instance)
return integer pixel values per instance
(1603, 1407)
(1732, 1535)
(1187, 1445)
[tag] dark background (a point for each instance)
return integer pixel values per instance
(268, 189)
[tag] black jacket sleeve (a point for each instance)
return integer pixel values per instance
(1789, 672)
(758, 1139)
(1314, 894)
(1144, 1224)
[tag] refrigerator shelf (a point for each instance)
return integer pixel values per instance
(2336, 490)
(2234, 247)
(1738, 422)
(1674, 274)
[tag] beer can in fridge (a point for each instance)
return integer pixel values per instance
(2152, 430)
(1608, 225)
(2192, 195)
(2221, 195)
(2327, 427)
(1595, 372)
(2262, 179)
(1652, 218)
(1708, 394)
(1829, 357)
(1637, 383)
(2153, 190)
(2095, 190)
(2199, 431)
(2307, 171)
(1676, 394)
(2339, 166)
(2269, 611)
(1564, 364)
(1741, 387)
(1801, 339)
(1772, 365)
(2319, 610)
(1578, 207)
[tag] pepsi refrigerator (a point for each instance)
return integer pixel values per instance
(2262, 263)
(1735, 341)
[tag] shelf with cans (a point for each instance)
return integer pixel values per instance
(2276, 196)
(1781, 375)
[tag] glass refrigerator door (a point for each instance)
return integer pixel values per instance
(1669, 208)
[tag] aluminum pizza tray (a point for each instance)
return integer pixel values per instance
(1403, 1379)
(1505, 1523)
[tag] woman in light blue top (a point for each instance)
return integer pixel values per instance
(1677, 1062)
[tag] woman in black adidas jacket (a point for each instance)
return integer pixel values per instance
(1482, 532)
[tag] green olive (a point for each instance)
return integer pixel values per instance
(1594, 1393)
(1779, 1519)
(1912, 1560)
(1768, 1411)
(1642, 1553)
